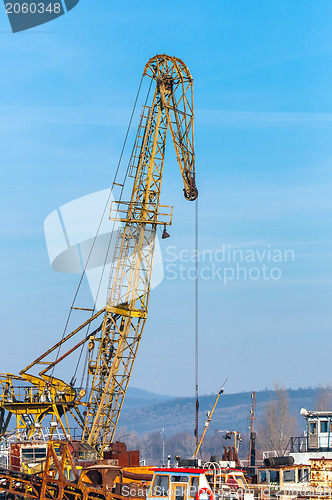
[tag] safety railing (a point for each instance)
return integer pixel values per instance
(120, 212)
(31, 394)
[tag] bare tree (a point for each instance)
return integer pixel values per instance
(181, 443)
(323, 400)
(277, 425)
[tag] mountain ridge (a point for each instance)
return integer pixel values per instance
(146, 412)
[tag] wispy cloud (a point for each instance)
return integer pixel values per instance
(231, 118)
(119, 116)
(21, 116)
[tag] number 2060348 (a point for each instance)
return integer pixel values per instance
(32, 8)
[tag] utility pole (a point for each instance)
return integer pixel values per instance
(163, 447)
(252, 442)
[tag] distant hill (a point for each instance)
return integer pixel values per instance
(136, 398)
(146, 412)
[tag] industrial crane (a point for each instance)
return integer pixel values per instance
(112, 345)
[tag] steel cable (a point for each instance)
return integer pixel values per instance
(99, 225)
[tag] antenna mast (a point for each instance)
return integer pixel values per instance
(252, 443)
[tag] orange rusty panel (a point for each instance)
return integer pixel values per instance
(117, 447)
(129, 458)
(125, 458)
(321, 472)
(15, 457)
(134, 458)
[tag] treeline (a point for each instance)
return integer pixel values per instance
(156, 446)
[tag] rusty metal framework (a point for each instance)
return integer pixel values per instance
(112, 346)
(94, 482)
(45, 395)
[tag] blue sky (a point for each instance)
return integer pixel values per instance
(263, 122)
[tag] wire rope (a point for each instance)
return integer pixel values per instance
(99, 225)
(196, 319)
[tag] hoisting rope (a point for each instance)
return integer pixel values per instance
(196, 319)
(99, 225)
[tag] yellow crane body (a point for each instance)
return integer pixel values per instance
(112, 346)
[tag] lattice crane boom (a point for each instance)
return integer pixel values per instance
(128, 297)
